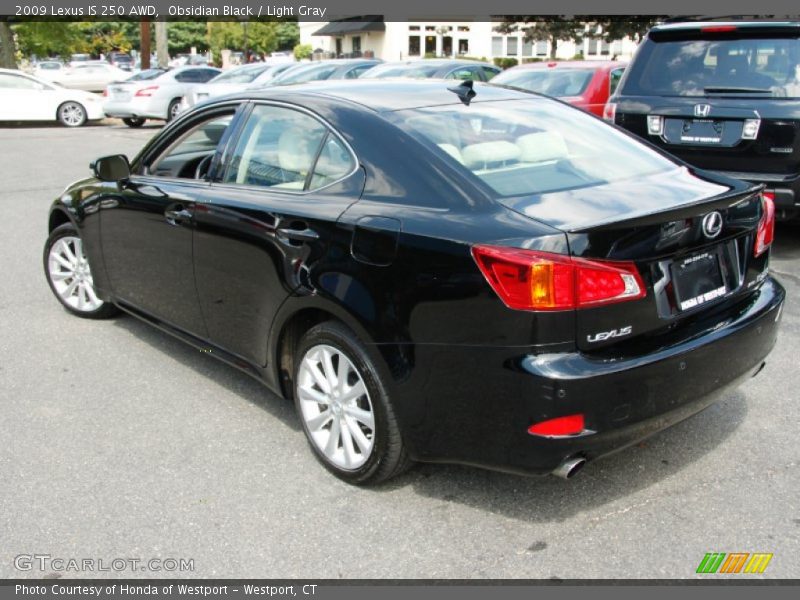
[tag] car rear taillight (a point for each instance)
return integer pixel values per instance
(610, 111)
(766, 226)
(560, 426)
(148, 91)
(543, 281)
(105, 93)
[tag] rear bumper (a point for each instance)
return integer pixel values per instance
(484, 420)
(147, 107)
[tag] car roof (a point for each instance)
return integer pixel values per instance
(687, 25)
(385, 95)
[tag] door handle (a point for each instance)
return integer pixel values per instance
(288, 234)
(177, 215)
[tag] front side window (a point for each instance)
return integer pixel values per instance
(285, 149)
(532, 146)
(463, 73)
(753, 68)
(15, 82)
(190, 155)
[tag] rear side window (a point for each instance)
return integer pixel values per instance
(716, 67)
(551, 82)
(613, 80)
(285, 149)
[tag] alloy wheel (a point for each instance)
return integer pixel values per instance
(336, 407)
(72, 114)
(71, 276)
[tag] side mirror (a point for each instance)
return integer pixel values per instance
(112, 168)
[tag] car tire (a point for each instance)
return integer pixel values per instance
(71, 114)
(134, 122)
(67, 270)
(349, 424)
(173, 109)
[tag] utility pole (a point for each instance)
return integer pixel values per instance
(144, 46)
(161, 44)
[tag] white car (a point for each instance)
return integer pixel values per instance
(50, 70)
(156, 95)
(27, 98)
(235, 80)
(91, 76)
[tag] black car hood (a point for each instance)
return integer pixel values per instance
(642, 199)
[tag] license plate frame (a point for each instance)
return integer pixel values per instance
(698, 279)
(702, 131)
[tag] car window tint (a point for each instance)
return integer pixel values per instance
(276, 149)
(182, 158)
(613, 80)
(190, 76)
(357, 72)
(15, 82)
(490, 72)
(463, 73)
(334, 162)
(521, 147)
(552, 82)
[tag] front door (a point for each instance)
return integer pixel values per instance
(148, 226)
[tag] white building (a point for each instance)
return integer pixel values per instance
(403, 40)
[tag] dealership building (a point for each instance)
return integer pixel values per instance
(403, 40)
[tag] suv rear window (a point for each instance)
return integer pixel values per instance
(717, 67)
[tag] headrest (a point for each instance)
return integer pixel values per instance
(486, 153)
(542, 146)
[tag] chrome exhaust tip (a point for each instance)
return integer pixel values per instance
(569, 468)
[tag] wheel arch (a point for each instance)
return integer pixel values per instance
(70, 101)
(297, 316)
(58, 217)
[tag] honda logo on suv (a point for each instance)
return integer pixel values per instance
(702, 110)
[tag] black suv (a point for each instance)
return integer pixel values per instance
(723, 96)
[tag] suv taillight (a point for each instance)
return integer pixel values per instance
(610, 111)
(766, 226)
(533, 280)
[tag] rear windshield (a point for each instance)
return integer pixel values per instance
(531, 146)
(722, 67)
(551, 82)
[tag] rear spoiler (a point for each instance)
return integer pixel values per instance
(674, 213)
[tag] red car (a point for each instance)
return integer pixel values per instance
(586, 84)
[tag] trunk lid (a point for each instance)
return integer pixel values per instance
(688, 264)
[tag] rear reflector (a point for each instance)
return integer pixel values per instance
(569, 425)
(541, 281)
(766, 226)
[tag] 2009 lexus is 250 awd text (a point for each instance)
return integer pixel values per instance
(432, 271)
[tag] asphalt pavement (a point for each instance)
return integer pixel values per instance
(118, 441)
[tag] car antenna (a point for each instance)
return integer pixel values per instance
(464, 91)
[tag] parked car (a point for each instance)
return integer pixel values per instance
(76, 59)
(50, 70)
(156, 97)
(121, 60)
(338, 68)
(432, 272)
(91, 76)
(723, 96)
(235, 80)
(27, 98)
(585, 84)
(435, 68)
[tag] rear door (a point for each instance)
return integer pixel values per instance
(270, 227)
(723, 97)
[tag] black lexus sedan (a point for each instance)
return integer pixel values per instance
(432, 271)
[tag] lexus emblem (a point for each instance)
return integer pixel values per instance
(702, 110)
(712, 224)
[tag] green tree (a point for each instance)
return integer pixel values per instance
(182, 36)
(287, 35)
(302, 51)
(551, 28)
(634, 26)
(48, 38)
(8, 59)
